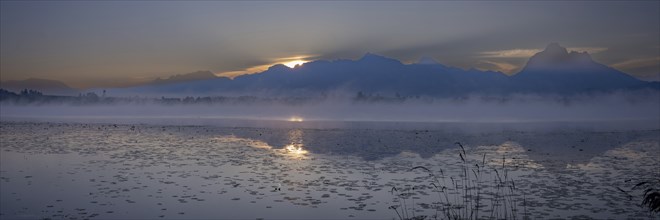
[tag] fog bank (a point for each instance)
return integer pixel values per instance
(464, 110)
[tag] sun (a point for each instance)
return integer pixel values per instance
(294, 63)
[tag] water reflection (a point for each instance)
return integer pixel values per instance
(205, 172)
(633, 153)
(295, 147)
(295, 151)
(295, 136)
(510, 154)
(568, 146)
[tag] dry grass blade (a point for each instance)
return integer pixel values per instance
(421, 167)
(640, 184)
(483, 160)
(397, 211)
(461, 145)
(623, 191)
(393, 190)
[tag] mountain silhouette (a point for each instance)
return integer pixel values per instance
(557, 70)
(46, 86)
(427, 60)
(553, 70)
(194, 76)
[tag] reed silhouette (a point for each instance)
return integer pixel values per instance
(462, 198)
(651, 197)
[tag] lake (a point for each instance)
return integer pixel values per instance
(196, 168)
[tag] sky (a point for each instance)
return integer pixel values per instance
(90, 44)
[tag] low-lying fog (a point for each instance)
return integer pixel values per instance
(470, 110)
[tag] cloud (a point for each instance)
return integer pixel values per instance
(636, 63)
(264, 67)
(526, 53)
(590, 50)
(251, 70)
(645, 68)
(513, 53)
(498, 66)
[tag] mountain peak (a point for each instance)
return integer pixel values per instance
(555, 49)
(370, 55)
(427, 60)
(278, 66)
(555, 56)
(553, 53)
(375, 57)
(557, 70)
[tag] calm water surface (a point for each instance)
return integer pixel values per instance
(75, 170)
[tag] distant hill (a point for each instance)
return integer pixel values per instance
(552, 71)
(194, 76)
(45, 86)
(556, 70)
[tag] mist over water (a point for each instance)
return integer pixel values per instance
(475, 109)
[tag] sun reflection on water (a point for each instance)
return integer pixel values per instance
(295, 150)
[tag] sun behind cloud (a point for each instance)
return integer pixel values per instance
(290, 62)
(294, 63)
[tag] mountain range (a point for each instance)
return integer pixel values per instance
(551, 71)
(194, 76)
